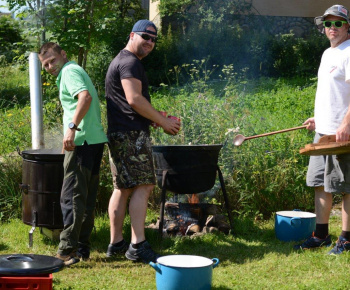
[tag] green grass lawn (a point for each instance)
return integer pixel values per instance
(251, 258)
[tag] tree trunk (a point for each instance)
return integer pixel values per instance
(43, 21)
(85, 58)
(81, 56)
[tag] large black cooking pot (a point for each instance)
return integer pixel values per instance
(42, 178)
(189, 168)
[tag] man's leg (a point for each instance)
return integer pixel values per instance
(323, 205)
(73, 203)
(140, 249)
(346, 213)
(90, 158)
(138, 210)
(116, 210)
(343, 242)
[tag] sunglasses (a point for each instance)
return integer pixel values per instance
(336, 23)
(147, 37)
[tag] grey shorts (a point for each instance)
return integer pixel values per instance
(330, 171)
(130, 158)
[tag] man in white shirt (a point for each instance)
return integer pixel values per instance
(330, 174)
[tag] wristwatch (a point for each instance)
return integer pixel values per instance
(72, 126)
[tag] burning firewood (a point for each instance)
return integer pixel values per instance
(193, 228)
(172, 227)
(218, 222)
(210, 229)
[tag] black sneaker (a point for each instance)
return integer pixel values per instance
(144, 253)
(341, 246)
(83, 252)
(114, 250)
(314, 242)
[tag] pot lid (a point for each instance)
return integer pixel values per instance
(296, 213)
(52, 151)
(27, 264)
(43, 154)
(184, 261)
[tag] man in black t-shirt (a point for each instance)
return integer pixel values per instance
(129, 114)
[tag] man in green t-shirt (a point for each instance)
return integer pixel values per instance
(83, 143)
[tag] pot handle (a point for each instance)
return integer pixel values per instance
(20, 258)
(19, 151)
(216, 262)
(295, 221)
(155, 266)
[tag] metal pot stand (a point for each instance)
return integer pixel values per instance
(166, 174)
(186, 170)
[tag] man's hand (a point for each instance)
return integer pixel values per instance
(311, 126)
(83, 105)
(68, 140)
(342, 134)
(170, 126)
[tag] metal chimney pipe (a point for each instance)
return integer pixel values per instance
(36, 101)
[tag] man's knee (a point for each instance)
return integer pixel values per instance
(145, 189)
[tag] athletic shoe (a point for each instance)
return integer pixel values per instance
(314, 242)
(114, 250)
(341, 246)
(144, 253)
(83, 252)
(70, 259)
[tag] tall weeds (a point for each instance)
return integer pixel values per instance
(10, 197)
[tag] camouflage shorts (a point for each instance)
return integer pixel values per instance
(130, 158)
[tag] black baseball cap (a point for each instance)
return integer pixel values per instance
(141, 26)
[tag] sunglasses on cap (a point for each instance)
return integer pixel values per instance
(336, 23)
(147, 37)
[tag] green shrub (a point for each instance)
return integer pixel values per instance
(98, 64)
(10, 178)
(16, 129)
(14, 87)
(297, 56)
(12, 43)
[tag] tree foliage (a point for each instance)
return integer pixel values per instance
(34, 10)
(10, 31)
(77, 25)
(11, 40)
